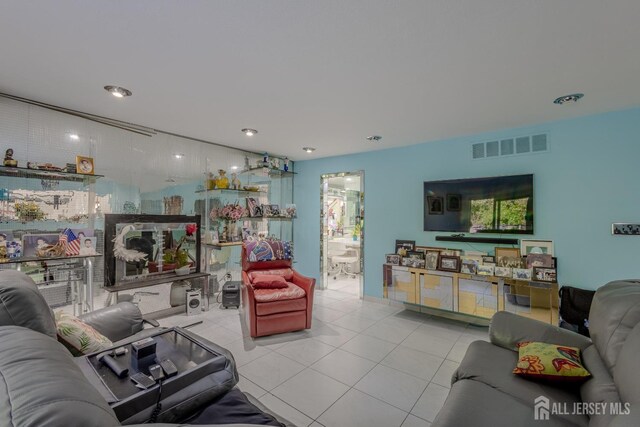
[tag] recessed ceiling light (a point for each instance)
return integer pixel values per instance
(117, 91)
(234, 167)
(348, 179)
(74, 136)
(374, 138)
(574, 97)
(178, 155)
(309, 149)
(249, 132)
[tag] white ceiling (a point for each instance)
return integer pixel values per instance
(324, 73)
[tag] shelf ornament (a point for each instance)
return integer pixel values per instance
(120, 250)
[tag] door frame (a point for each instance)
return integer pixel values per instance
(323, 244)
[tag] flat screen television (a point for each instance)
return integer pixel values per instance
(502, 204)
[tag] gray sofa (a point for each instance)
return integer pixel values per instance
(42, 384)
(485, 392)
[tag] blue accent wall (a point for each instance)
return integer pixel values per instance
(589, 178)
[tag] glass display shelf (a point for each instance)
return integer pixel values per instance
(222, 245)
(45, 259)
(232, 191)
(255, 218)
(268, 171)
(18, 172)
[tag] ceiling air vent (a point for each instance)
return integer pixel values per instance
(511, 146)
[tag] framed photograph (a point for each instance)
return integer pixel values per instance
(275, 210)
(393, 259)
(431, 259)
(502, 272)
(511, 262)
(436, 205)
(468, 266)
(522, 273)
(84, 165)
(266, 211)
(545, 274)
(488, 259)
(407, 245)
(254, 208)
(536, 247)
(415, 254)
(37, 245)
(428, 248)
(510, 252)
(539, 260)
(449, 263)
(87, 246)
(454, 202)
(452, 252)
(485, 270)
(290, 210)
(413, 262)
(9, 247)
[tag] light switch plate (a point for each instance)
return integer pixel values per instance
(622, 229)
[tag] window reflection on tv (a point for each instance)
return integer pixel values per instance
(482, 205)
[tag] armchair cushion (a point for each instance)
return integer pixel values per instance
(285, 273)
(290, 292)
(116, 322)
(271, 284)
(79, 337)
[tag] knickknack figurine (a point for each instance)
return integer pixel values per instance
(235, 182)
(8, 159)
(222, 181)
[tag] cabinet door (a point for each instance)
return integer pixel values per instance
(436, 291)
(478, 298)
(403, 285)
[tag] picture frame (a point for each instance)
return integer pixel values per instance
(454, 202)
(522, 274)
(449, 263)
(33, 243)
(508, 252)
(503, 272)
(468, 266)
(84, 165)
(536, 246)
(431, 259)
(427, 248)
(435, 205)
(511, 262)
(275, 210)
(413, 262)
(407, 245)
(393, 259)
(254, 208)
(485, 270)
(266, 211)
(544, 274)
(415, 254)
(539, 260)
(451, 252)
(488, 259)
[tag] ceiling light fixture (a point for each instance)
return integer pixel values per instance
(348, 179)
(178, 155)
(74, 136)
(574, 97)
(309, 149)
(234, 168)
(117, 91)
(374, 138)
(249, 132)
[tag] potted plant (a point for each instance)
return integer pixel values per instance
(176, 258)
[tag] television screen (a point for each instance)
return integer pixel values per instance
(501, 204)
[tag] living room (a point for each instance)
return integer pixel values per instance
(160, 201)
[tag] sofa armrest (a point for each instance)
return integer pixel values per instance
(508, 329)
(306, 283)
(151, 322)
(116, 322)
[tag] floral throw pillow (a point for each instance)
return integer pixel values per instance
(79, 337)
(550, 361)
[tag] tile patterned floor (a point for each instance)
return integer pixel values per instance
(361, 363)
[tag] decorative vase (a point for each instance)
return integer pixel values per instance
(211, 182)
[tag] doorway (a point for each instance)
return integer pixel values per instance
(342, 232)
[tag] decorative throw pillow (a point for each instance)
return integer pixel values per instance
(287, 273)
(267, 278)
(550, 361)
(272, 284)
(268, 250)
(79, 337)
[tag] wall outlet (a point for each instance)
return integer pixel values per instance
(621, 229)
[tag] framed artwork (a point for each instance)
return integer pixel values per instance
(454, 202)
(436, 205)
(509, 252)
(415, 254)
(413, 262)
(539, 260)
(488, 259)
(431, 259)
(449, 263)
(266, 211)
(275, 210)
(468, 266)
(485, 270)
(37, 245)
(407, 245)
(254, 208)
(536, 247)
(428, 248)
(393, 259)
(87, 246)
(544, 274)
(84, 165)
(502, 272)
(451, 252)
(522, 273)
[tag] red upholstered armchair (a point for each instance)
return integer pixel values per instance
(274, 311)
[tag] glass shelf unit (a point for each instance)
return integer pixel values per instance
(18, 172)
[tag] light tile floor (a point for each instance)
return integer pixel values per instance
(361, 364)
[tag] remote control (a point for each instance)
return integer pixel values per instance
(142, 381)
(156, 372)
(168, 367)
